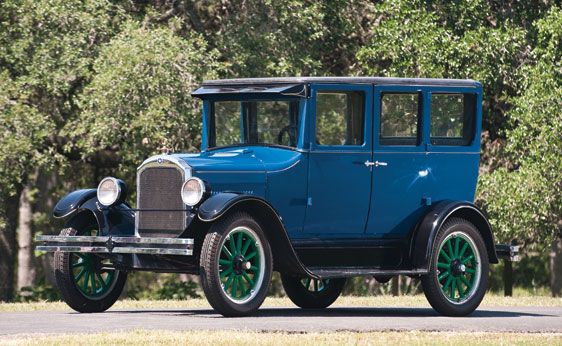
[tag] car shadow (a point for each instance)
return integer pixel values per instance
(336, 312)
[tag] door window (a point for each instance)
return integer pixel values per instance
(340, 118)
(452, 119)
(399, 118)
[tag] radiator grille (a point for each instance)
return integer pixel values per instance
(158, 189)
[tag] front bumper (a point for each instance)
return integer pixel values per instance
(116, 245)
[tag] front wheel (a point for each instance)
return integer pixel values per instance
(458, 272)
(309, 293)
(87, 283)
(236, 265)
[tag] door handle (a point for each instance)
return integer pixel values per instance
(376, 163)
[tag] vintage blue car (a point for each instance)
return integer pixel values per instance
(318, 178)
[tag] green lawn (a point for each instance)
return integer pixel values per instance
(372, 301)
(158, 337)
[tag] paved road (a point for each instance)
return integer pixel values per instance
(489, 319)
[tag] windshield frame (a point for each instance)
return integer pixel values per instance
(208, 110)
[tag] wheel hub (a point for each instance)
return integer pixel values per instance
(239, 265)
(457, 268)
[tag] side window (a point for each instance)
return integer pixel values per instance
(399, 118)
(452, 119)
(340, 117)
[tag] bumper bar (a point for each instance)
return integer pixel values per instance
(119, 245)
(507, 252)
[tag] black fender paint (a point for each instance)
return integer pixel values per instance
(424, 237)
(217, 205)
(115, 220)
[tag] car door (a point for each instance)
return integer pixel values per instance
(400, 170)
(339, 182)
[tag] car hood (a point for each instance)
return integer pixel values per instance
(239, 159)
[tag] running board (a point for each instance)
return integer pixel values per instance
(120, 245)
(341, 272)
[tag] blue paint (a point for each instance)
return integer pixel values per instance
(327, 191)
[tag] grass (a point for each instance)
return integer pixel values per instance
(519, 299)
(159, 337)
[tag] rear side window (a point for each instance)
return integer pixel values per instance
(399, 118)
(452, 119)
(340, 118)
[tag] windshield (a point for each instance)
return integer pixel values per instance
(261, 122)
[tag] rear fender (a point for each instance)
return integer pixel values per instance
(426, 232)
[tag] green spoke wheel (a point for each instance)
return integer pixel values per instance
(458, 273)
(87, 282)
(312, 293)
(315, 285)
(241, 264)
(458, 267)
(235, 265)
(90, 278)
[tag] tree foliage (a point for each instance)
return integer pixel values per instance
(525, 202)
(138, 100)
(87, 85)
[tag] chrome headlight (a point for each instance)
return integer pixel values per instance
(192, 191)
(111, 190)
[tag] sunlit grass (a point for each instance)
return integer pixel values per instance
(159, 337)
(520, 298)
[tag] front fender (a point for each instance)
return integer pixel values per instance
(216, 205)
(118, 220)
(285, 259)
(426, 232)
(70, 203)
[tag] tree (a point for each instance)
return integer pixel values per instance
(46, 50)
(23, 133)
(524, 199)
(139, 98)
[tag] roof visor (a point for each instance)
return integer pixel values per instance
(292, 90)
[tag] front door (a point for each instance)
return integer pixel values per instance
(400, 170)
(339, 181)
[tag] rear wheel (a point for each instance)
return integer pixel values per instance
(309, 293)
(236, 265)
(87, 282)
(458, 274)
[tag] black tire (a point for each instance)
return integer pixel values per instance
(237, 224)
(443, 282)
(65, 278)
(310, 293)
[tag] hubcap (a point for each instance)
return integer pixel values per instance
(241, 267)
(90, 279)
(458, 267)
(315, 285)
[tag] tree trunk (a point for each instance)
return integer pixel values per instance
(556, 267)
(47, 182)
(26, 261)
(8, 224)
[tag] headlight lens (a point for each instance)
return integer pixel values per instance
(192, 191)
(109, 191)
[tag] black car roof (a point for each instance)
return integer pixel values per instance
(343, 80)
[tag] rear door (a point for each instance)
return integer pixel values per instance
(400, 170)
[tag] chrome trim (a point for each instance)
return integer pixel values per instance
(125, 245)
(203, 190)
(120, 250)
(128, 240)
(161, 161)
(114, 181)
